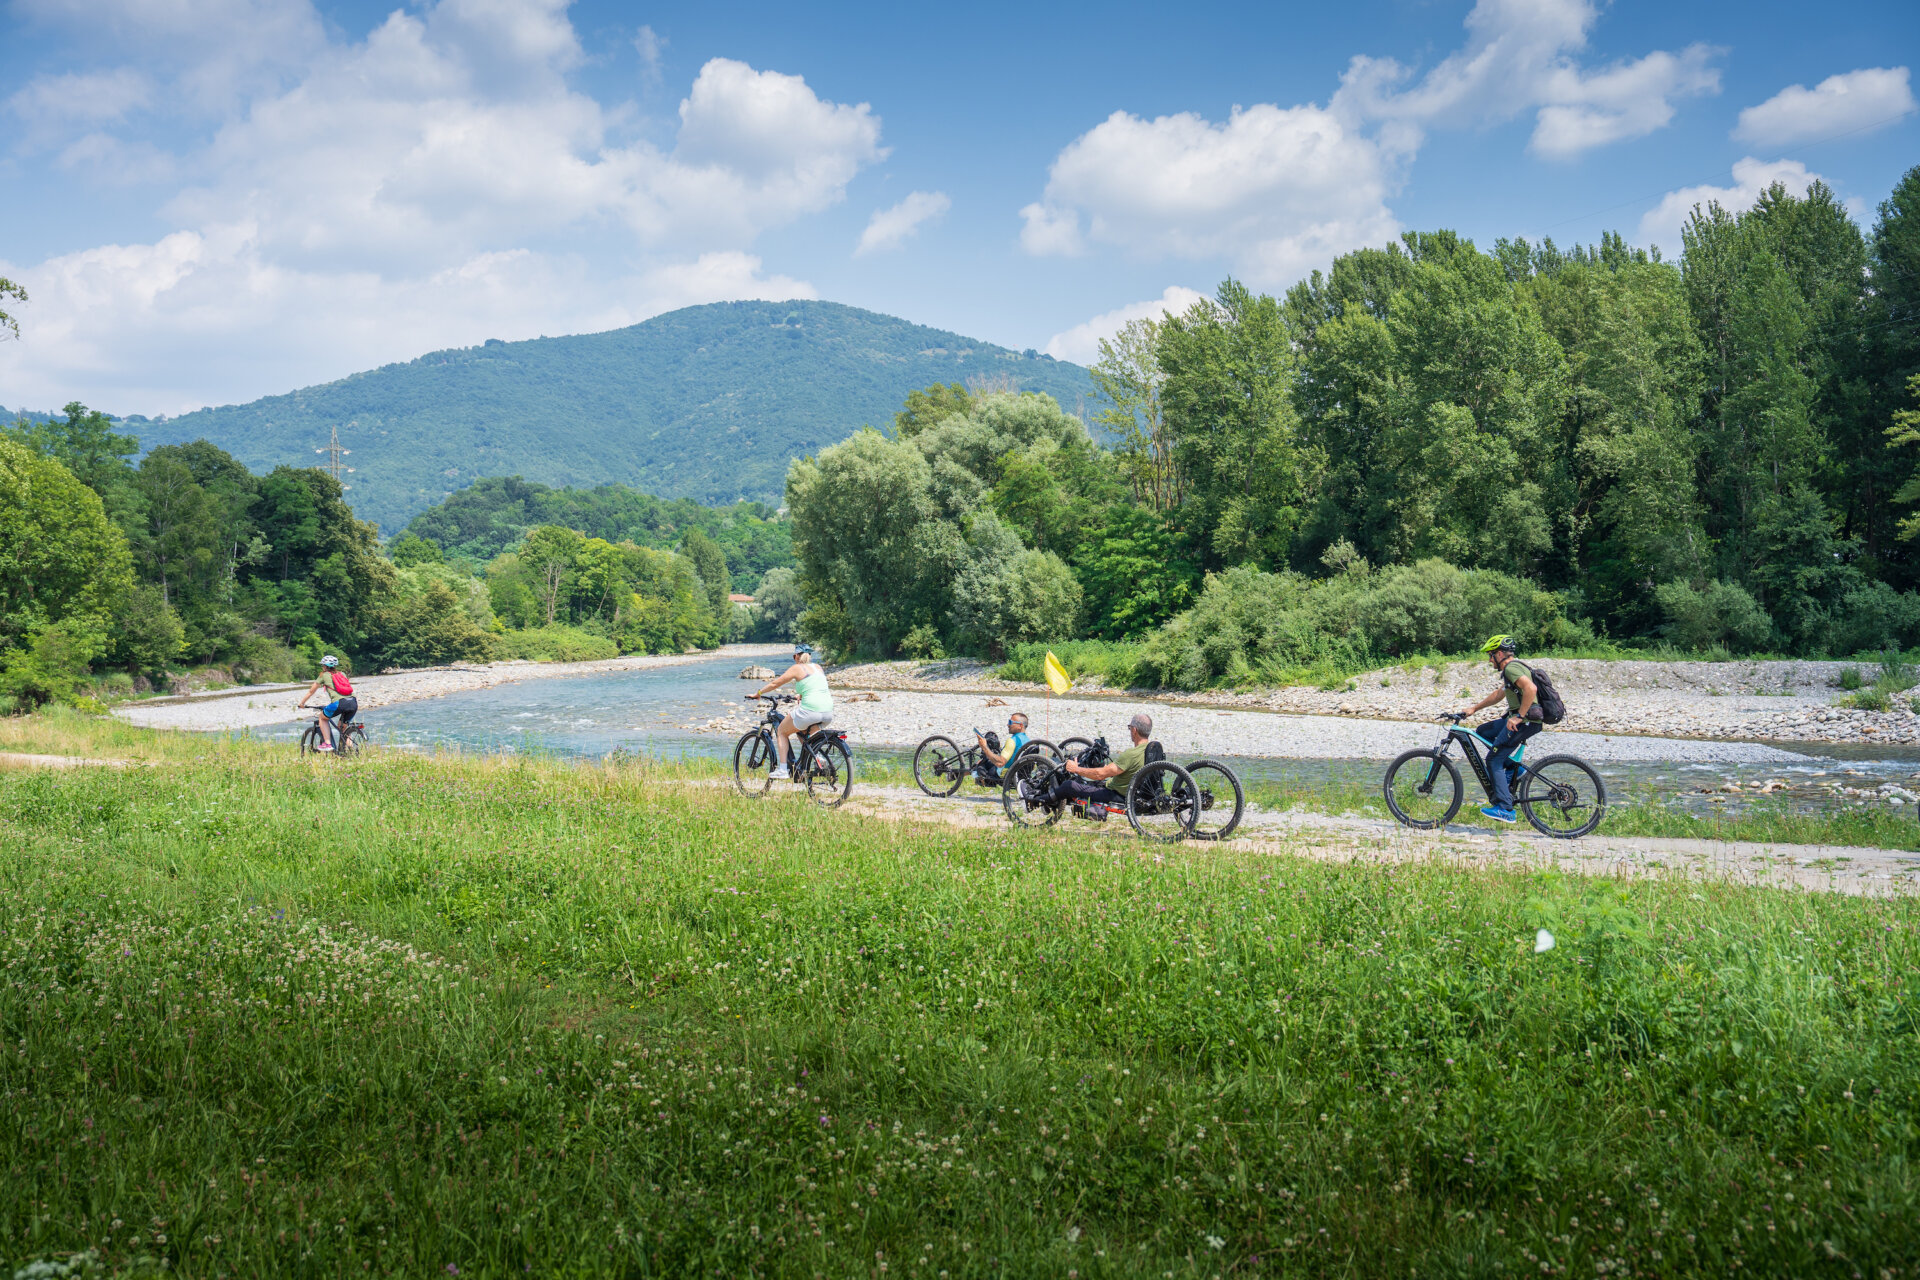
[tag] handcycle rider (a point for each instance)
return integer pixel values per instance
(1506, 735)
(344, 704)
(1106, 783)
(1016, 739)
(814, 709)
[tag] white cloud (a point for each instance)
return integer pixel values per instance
(1081, 344)
(1277, 191)
(1661, 225)
(432, 184)
(889, 228)
(652, 47)
(1850, 103)
(1518, 58)
(48, 103)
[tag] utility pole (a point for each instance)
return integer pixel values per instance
(334, 453)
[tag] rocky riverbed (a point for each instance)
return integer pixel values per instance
(1782, 701)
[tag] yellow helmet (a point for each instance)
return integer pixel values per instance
(1500, 642)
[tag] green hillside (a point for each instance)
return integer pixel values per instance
(707, 403)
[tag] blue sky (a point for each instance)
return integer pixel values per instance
(212, 200)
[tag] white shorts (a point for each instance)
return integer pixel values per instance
(806, 718)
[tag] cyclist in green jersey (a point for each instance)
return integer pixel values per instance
(814, 709)
(1505, 736)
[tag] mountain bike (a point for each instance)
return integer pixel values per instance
(1561, 795)
(820, 757)
(940, 765)
(347, 740)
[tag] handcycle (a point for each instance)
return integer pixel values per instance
(940, 765)
(348, 739)
(1164, 801)
(820, 757)
(1561, 795)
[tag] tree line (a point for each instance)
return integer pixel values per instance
(135, 571)
(1713, 453)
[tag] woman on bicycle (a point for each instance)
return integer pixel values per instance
(1506, 735)
(344, 704)
(814, 709)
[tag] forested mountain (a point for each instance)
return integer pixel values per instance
(707, 402)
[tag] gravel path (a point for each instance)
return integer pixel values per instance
(276, 704)
(1850, 870)
(905, 718)
(1785, 701)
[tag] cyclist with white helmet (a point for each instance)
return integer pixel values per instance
(815, 708)
(344, 704)
(1504, 736)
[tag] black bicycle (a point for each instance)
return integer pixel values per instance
(348, 739)
(940, 765)
(820, 759)
(1562, 796)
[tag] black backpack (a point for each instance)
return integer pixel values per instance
(1552, 709)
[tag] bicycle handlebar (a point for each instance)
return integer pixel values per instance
(1454, 716)
(770, 697)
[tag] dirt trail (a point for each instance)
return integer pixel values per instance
(1826, 868)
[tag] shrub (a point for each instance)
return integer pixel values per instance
(1878, 617)
(1851, 678)
(1251, 625)
(923, 643)
(557, 643)
(1026, 597)
(1719, 613)
(1113, 662)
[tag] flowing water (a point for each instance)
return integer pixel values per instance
(646, 712)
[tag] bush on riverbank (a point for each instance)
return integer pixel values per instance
(999, 1054)
(557, 643)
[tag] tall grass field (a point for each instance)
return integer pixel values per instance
(404, 1016)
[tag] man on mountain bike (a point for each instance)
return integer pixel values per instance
(1505, 735)
(814, 709)
(344, 704)
(1106, 783)
(1016, 739)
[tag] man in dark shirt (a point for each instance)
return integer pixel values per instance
(1506, 735)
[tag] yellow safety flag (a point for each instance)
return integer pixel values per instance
(1057, 678)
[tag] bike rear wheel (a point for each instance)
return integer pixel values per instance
(753, 764)
(1562, 797)
(1222, 802)
(1035, 770)
(1070, 748)
(1423, 789)
(939, 767)
(829, 774)
(1163, 802)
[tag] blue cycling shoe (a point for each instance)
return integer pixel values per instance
(1499, 815)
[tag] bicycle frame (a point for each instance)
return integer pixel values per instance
(1472, 744)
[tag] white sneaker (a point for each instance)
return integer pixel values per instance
(780, 775)
(1025, 788)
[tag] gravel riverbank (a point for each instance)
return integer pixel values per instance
(277, 704)
(1781, 701)
(904, 717)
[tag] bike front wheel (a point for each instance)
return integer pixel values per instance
(1027, 781)
(1562, 797)
(830, 774)
(753, 764)
(1423, 789)
(1072, 747)
(1222, 802)
(938, 767)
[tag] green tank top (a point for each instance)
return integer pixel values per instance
(812, 688)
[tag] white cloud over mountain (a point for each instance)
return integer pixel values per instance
(1279, 190)
(1081, 344)
(890, 228)
(432, 184)
(1857, 101)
